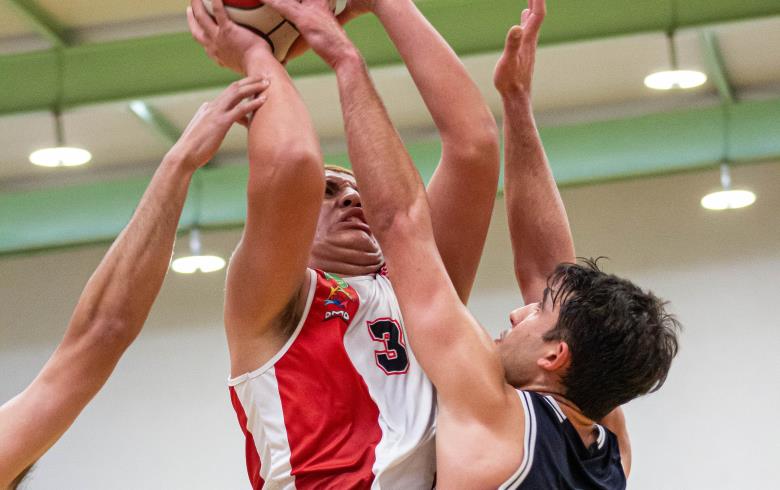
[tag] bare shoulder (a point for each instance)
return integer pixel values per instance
(492, 441)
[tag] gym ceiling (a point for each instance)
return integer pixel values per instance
(94, 59)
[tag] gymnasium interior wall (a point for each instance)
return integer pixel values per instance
(164, 420)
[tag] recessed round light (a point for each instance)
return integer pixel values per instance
(62, 156)
(194, 263)
(671, 79)
(735, 199)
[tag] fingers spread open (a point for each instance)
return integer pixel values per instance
(240, 90)
(244, 110)
(204, 20)
(219, 12)
(195, 29)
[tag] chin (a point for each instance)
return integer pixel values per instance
(358, 239)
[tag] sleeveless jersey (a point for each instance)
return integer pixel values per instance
(344, 404)
(556, 458)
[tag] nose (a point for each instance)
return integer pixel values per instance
(350, 198)
(519, 315)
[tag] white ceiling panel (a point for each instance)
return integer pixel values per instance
(12, 24)
(751, 51)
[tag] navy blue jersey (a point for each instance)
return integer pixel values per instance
(555, 456)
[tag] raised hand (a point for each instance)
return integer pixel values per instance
(318, 26)
(208, 128)
(515, 69)
(354, 9)
(226, 42)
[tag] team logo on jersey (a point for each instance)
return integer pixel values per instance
(337, 300)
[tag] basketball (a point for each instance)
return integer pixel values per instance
(267, 22)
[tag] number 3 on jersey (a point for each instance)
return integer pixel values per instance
(393, 359)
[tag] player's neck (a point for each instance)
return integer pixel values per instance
(346, 262)
(585, 427)
(344, 269)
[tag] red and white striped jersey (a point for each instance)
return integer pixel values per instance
(344, 404)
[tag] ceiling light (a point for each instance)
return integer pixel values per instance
(60, 155)
(197, 261)
(674, 77)
(719, 201)
(727, 198)
(671, 79)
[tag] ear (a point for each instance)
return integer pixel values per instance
(556, 358)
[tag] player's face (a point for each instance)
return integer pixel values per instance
(522, 346)
(343, 242)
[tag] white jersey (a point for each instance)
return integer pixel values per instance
(344, 404)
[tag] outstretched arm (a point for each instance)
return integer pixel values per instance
(117, 299)
(397, 209)
(463, 188)
(539, 228)
(284, 193)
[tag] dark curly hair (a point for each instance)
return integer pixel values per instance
(622, 340)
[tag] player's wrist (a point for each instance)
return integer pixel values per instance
(515, 95)
(254, 58)
(384, 9)
(178, 161)
(347, 58)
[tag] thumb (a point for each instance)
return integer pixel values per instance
(514, 39)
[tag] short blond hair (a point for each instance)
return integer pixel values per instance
(339, 168)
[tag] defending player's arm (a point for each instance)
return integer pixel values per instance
(538, 225)
(117, 299)
(284, 192)
(539, 228)
(462, 191)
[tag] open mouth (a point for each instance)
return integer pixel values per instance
(354, 218)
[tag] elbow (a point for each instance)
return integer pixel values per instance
(478, 147)
(290, 166)
(401, 224)
(113, 334)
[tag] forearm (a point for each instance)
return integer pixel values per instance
(453, 99)
(108, 316)
(281, 134)
(538, 224)
(389, 183)
(120, 293)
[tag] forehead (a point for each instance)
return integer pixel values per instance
(340, 178)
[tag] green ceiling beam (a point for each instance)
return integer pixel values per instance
(163, 64)
(41, 21)
(579, 154)
(717, 66)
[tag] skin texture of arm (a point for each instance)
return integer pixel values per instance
(284, 193)
(462, 191)
(538, 225)
(616, 423)
(118, 297)
(475, 404)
